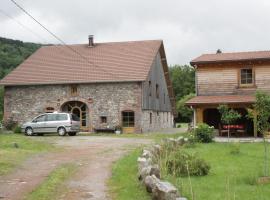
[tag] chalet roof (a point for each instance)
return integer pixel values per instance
(105, 62)
(231, 57)
(228, 99)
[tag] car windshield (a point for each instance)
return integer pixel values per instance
(75, 118)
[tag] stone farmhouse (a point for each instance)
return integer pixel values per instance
(232, 79)
(107, 85)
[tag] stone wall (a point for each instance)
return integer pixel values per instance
(160, 120)
(104, 99)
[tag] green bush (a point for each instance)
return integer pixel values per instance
(17, 129)
(181, 163)
(178, 126)
(204, 133)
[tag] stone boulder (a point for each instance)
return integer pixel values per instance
(143, 162)
(156, 149)
(146, 154)
(180, 140)
(150, 183)
(165, 191)
(148, 171)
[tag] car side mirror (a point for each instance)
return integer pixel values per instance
(34, 121)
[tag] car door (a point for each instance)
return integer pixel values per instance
(51, 123)
(39, 123)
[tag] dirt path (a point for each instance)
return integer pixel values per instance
(94, 155)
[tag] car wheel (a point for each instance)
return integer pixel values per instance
(61, 131)
(29, 131)
(72, 134)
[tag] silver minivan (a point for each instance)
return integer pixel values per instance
(61, 123)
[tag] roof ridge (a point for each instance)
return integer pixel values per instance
(116, 42)
(236, 52)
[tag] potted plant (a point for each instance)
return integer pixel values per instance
(118, 130)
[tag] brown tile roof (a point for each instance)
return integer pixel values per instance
(105, 62)
(230, 57)
(229, 99)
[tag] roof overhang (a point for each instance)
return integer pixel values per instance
(217, 100)
(250, 61)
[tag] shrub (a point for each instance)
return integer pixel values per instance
(9, 124)
(181, 163)
(178, 125)
(204, 133)
(17, 129)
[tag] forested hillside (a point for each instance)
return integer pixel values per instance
(12, 53)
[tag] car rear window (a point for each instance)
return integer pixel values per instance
(61, 117)
(75, 118)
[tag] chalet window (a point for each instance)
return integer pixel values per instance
(103, 119)
(157, 91)
(74, 90)
(150, 116)
(150, 88)
(246, 76)
(128, 119)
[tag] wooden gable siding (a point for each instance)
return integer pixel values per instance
(216, 80)
(156, 76)
(222, 80)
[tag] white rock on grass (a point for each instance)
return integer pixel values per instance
(146, 154)
(150, 183)
(180, 140)
(165, 191)
(143, 162)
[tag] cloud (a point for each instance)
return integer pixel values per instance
(188, 28)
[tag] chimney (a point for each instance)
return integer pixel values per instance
(91, 41)
(218, 51)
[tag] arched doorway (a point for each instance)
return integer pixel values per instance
(79, 109)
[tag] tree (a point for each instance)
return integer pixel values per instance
(262, 107)
(183, 80)
(228, 116)
(185, 112)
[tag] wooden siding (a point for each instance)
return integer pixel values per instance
(222, 80)
(156, 76)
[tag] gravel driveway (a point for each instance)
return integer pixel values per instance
(94, 156)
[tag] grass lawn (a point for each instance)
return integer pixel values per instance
(124, 183)
(232, 176)
(53, 186)
(10, 156)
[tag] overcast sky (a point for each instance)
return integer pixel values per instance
(188, 27)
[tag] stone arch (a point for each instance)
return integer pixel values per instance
(80, 109)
